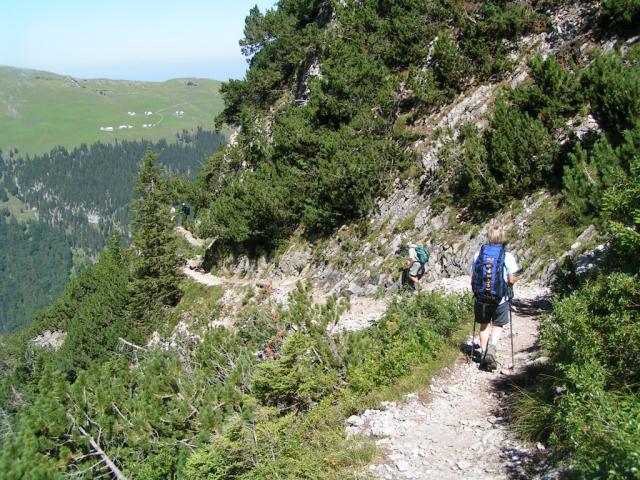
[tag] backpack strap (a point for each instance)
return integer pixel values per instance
(476, 279)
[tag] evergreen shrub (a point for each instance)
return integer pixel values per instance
(586, 404)
(619, 15)
(612, 83)
(554, 95)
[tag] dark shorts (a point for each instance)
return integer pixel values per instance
(496, 314)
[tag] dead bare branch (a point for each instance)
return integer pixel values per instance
(110, 464)
(132, 345)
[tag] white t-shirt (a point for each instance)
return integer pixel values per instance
(413, 256)
(511, 267)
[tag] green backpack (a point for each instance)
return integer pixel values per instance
(423, 255)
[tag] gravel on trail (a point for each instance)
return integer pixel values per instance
(456, 428)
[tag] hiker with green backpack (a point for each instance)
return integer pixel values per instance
(414, 266)
(492, 278)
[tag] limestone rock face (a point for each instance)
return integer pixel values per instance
(584, 261)
(569, 22)
(365, 260)
(294, 261)
(313, 71)
(49, 339)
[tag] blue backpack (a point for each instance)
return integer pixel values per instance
(423, 255)
(487, 281)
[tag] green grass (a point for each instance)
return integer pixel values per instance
(201, 301)
(19, 211)
(419, 380)
(41, 110)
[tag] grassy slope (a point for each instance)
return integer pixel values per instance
(19, 211)
(40, 110)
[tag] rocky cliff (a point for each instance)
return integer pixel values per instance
(365, 257)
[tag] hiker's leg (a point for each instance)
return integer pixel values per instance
(485, 331)
(419, 276)
(482, 314)
(489, 361)
(496, 331)
(413, 275)
(500, 319)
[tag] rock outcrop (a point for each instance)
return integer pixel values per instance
(49, 339)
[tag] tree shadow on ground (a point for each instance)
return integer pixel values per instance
(534, 307)
(524, 461)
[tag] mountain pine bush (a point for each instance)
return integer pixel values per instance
(554, 95)
(612, 83)
(590, 393)
(216, 409)
(330, 155)
(585, 404)
(588, 175)
(619, 15)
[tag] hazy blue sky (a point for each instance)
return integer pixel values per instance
(126, 39)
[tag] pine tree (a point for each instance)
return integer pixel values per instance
(99, 319)
(155, 265)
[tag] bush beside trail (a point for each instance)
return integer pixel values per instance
(216, 409)
(586, 404)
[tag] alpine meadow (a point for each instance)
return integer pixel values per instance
(251, 306)
(44, 110)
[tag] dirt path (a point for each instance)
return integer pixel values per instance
(363, 312)
(210, 280)
(188, 236)
(455, 429)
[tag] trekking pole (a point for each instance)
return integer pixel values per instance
(513, 364)
(473, 339)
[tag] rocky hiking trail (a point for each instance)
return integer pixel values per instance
(456, 428)
(363, 312)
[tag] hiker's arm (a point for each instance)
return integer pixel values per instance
(512, 268)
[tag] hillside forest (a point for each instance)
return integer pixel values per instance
(58, 210)
(327, 120)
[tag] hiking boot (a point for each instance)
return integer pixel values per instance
(477, 355)
(489, 360)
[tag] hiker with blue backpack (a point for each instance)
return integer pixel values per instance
(414, 267)
(493, 275)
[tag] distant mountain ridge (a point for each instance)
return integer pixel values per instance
(41, 110)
